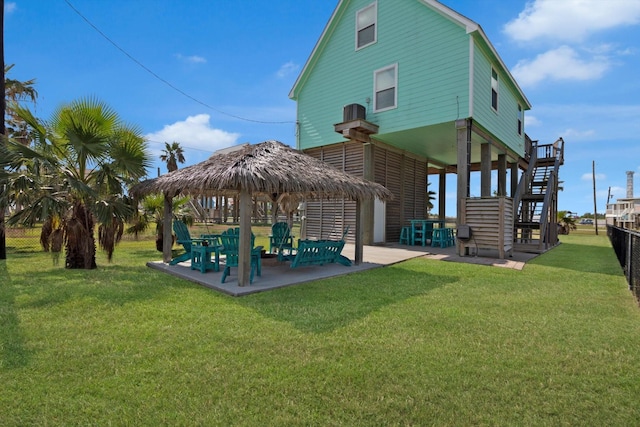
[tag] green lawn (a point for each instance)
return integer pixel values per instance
(422, 342)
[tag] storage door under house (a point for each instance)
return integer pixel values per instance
(405, 177)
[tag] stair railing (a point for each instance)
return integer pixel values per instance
(545, 220)
(551, 191)
(525, 179)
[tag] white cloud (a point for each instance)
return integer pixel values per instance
(599, 123)
(193, 59)
(287, 69)
(10, 7)
(577, 135)
(558, 64)
(589, 176)
(571, 20)
(532, 121)
(195, 132)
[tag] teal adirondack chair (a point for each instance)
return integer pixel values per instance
(184, 238)
(280, 239)
(230, 248)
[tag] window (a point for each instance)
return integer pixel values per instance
(385, 88)
(366, 32)
(519, 119)
(494, 89)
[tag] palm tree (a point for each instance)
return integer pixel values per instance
(87, 157)
(17, 92)
(430, 198)
(566, 222)
(172, 155)
(152, 211)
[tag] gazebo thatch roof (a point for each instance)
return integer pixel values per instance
(269, 168)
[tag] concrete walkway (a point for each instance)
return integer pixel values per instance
(277, 275)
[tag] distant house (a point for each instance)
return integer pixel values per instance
(625, 212)
(398, 91)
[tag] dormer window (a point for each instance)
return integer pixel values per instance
(366, 26)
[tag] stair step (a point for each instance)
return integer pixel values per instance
(533, 197)
(528, 247)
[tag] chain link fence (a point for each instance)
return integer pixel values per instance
(626, 244)
(22, 240)
(27, 240)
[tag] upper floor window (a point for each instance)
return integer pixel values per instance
(494, 89)
(385, 88)
(366, 26)
(520, 119)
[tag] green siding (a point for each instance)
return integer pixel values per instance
(503, 124)
(432, 54)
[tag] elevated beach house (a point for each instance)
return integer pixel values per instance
(403, 92)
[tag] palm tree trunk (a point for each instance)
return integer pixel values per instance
(80, 241)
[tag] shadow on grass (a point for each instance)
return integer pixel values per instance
(582, 258)
(111, 284)
(13, 353)
(328, 304)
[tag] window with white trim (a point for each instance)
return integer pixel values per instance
(366, 26)
(385, 88)
(494, 89)
(520, 117)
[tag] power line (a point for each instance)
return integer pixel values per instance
(180, 91)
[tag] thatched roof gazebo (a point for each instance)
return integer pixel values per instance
(270, 168)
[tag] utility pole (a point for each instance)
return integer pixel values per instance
(595, 208)
(3, 236)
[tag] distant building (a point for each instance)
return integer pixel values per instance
(625, 213)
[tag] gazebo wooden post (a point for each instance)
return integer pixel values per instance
(359, 232)
(167, 234)
(244, 250)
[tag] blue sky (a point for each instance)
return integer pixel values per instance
(214, 73)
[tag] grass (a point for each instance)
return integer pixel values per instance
(419, 343)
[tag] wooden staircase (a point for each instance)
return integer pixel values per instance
(536, 199)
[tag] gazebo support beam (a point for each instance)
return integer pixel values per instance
(244, 251)
(359, 232)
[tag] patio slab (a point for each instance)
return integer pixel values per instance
(277, 275)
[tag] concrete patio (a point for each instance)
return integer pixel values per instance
(277, 275)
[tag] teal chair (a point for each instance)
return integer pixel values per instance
(183, 238)
(230, 240)
(280, 238)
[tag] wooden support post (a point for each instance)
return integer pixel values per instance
(485, 170)
(514, 178)
(502, 174)
(244, 250)
(463, 132)
(442, 193)
(167, 231)
(367, 206)
(359, 232)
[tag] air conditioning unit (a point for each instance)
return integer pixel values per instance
(354, 112)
